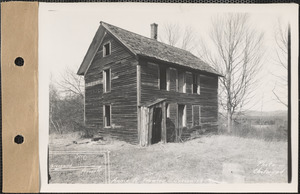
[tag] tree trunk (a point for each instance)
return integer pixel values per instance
(229, 121)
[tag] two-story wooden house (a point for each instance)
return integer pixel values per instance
(140, 90)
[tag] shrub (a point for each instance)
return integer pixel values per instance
(65, 113)
(88, 132)
(266, 132)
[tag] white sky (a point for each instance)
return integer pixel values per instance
(66, 31)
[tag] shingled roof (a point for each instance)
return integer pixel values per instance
(147, 47)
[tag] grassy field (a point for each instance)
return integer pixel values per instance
(210, 159)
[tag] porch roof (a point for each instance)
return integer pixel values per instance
(152, 103)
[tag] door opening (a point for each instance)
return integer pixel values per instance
(157, 122)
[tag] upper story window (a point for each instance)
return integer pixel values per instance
(106, 49)
(196, 84)
(164, 78)
(106, 80)
(182, 82)
(168, 78)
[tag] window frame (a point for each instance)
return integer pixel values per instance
(105, 90)
(168, 79)
(104, 48)
(193, 120)
(160, 67)
(197, 76)
(167, 110)
(105, 117)
(176, 78)
(184, 115)
(183, 89)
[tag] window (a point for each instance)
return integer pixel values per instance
(196, 84)
(172, 79)
(182, 82)
(168, 110)
(168, 79)
(107, 115)
(106, 49)
(181, 115)
(106, 80)
(196, 115)
(162, 78)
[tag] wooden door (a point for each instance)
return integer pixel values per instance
(156, 126)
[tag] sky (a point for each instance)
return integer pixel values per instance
(67, 29)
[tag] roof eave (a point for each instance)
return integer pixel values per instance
(118, 39)
(90, 54)
(88, 59)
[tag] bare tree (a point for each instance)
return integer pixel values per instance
(71, 84)
(66, 112)
(171, 34)
(235, 52)
(54, 98)
(181, 37)
(281, 39)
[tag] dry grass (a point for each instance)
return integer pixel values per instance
(197, 161)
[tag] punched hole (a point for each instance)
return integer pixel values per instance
(19, 139)
(19, 61)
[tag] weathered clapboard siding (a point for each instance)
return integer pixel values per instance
(121, 98)
(133, 67)
(208, 98)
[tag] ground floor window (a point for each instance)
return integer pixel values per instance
(168, 110)
(196, 115)
(181, 115)
(107, 115)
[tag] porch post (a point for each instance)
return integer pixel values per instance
(164, 125)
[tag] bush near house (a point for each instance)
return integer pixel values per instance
(66, 113)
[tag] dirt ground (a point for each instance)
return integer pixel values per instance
(211, 159)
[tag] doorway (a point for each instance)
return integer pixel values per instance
(157, 121)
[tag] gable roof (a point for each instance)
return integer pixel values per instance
(145, 47)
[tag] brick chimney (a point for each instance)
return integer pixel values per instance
(154, 31)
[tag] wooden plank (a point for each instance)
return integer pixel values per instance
(150, 124)
(138, 94)
(141, 134)
(122, 96)
(164, 121)
(208, 99)
(146, 135)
